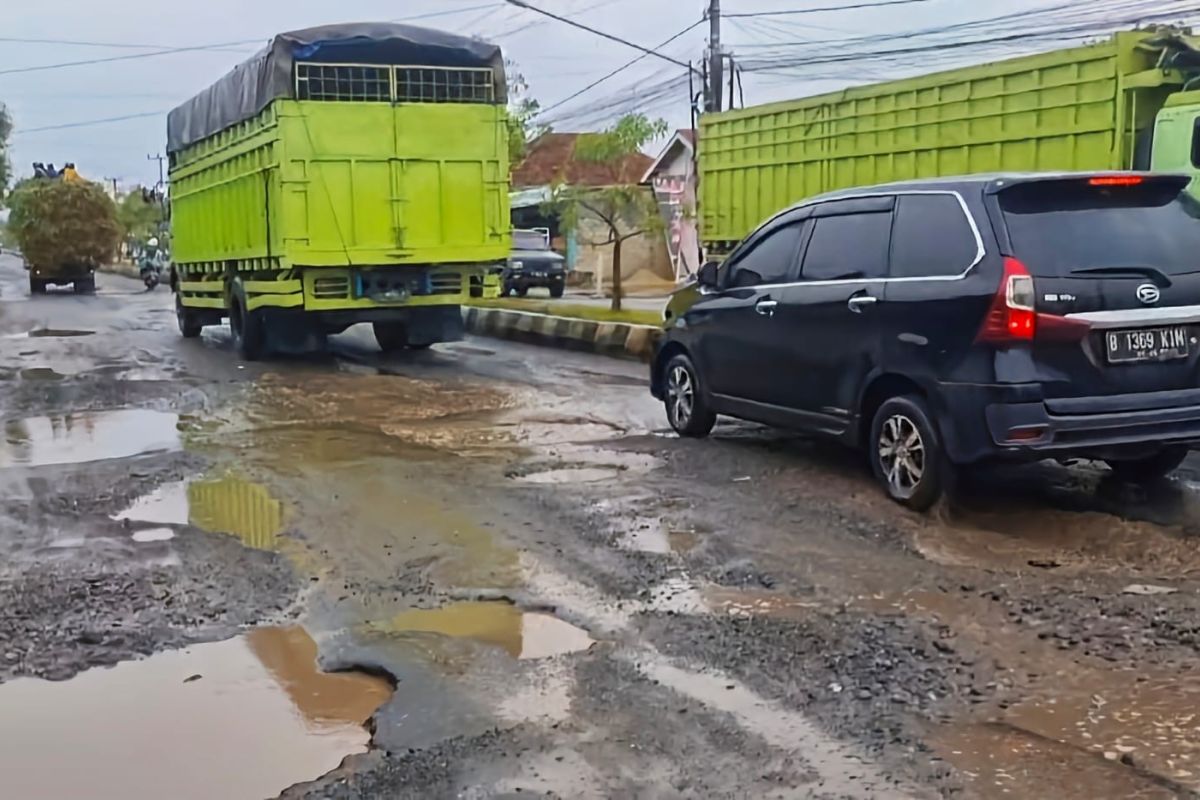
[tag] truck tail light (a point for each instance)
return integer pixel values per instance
(1012, 317)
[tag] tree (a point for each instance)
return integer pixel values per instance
(139, 219)
(612, 215)
(5, 164)
(523, 111)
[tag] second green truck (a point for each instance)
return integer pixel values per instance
(345, 174)
(1126, 102)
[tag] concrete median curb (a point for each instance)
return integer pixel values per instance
(607, 338)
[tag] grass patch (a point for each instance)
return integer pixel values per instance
(631, 316)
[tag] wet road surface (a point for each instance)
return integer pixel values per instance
(488, 570)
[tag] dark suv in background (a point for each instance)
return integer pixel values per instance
(533, 264)
(953, 321)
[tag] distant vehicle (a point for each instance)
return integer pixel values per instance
(955, 321)
(1121, 103)
(346, 174)
(533, 265)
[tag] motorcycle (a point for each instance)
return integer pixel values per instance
(150, 271)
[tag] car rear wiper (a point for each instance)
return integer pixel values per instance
(1155, 274)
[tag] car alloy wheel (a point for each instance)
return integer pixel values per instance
(902, 455)
(681, 396)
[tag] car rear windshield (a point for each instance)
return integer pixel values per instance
(1061, 228)
(529, 240)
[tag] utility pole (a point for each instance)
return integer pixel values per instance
(715, 58)
(113, 181)
(161, 186)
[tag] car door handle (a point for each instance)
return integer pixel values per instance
(860, 301)
(766, 308)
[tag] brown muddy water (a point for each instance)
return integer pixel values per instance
(524, 635)
(244, 718)
(87, 436)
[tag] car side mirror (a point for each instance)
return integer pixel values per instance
(708, 275)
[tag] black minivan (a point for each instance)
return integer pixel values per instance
(953, 321)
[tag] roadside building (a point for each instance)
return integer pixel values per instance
(672, 176)
(550, 162)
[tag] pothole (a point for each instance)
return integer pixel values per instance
(88, 436)
(522, 634)
(245, 718)
(49, 333)
(147, 535)
(570, 475)
(1145, 719)
(40, 374)
(229, 505)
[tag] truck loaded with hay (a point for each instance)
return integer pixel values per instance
(65, 229)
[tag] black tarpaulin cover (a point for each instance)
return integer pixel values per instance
(252, 85)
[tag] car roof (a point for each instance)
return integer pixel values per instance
(984, 180)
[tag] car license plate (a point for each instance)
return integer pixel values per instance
(1147, 344)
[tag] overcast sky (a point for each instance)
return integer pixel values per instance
(556, 59)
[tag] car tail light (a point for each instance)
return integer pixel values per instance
(1012, 319)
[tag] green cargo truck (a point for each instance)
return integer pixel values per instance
(1122, 103)
(345, 174)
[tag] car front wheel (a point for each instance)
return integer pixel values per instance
(906, 452)
(687, 410)
(1146, 470)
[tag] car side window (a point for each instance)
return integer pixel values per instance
(931, 237)
(848, 247)
(770, 261)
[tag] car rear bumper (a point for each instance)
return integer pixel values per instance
(520, 279)
(1007, 421)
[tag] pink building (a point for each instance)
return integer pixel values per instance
(673, 178)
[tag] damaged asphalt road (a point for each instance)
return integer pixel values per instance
(488, 571)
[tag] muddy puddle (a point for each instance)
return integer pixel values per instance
(229, 505)
(570, 475)
(40, 374)
(1146, 719)
(87, 436)
(997, 761)
(49, 333)
(1058, 540)
(245, 718)
(522, 634)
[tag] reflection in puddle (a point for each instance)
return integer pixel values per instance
(239, 508)
(245, 718)
(153, 535)
(166, 505)
(229, 505)
(571, 475)
(524, 635)
(87, 436)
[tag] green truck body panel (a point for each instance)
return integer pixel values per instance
(321, 184)
(1076, 109)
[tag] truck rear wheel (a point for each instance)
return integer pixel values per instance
(189, 323)
(249, 333)
(85, 285)
(391, 336)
